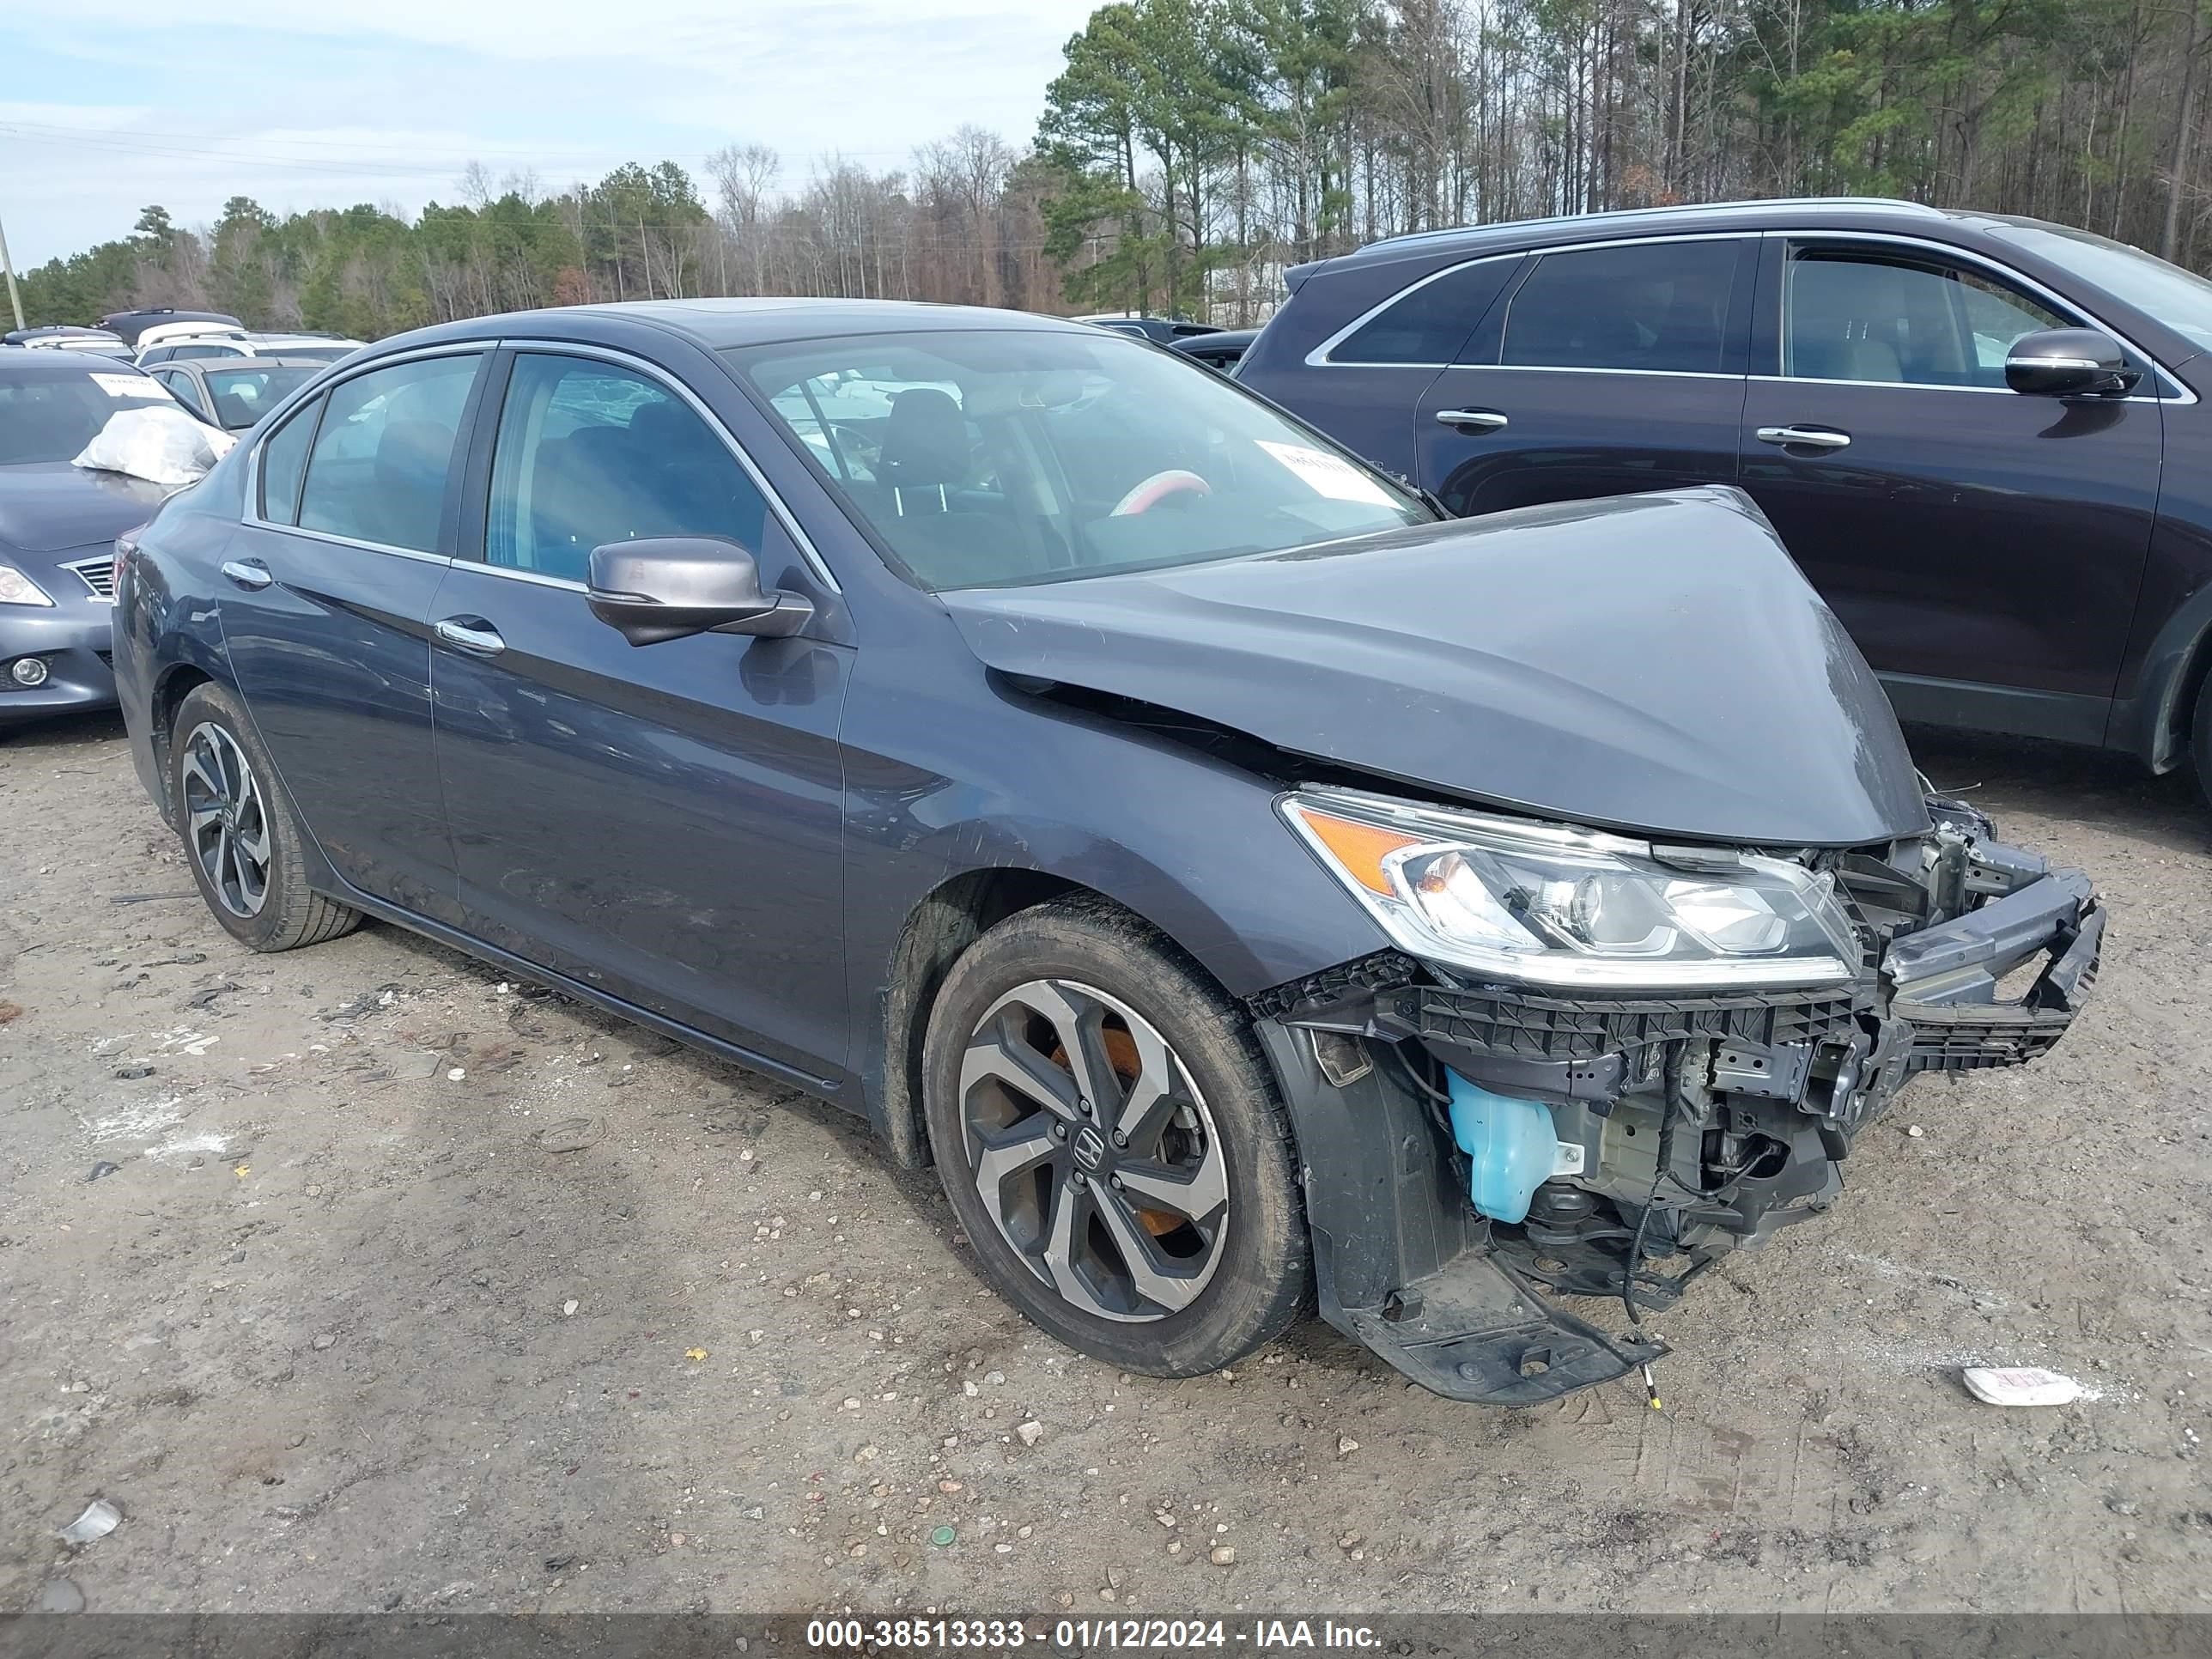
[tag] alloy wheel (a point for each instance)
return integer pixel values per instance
(225, 822)
(1094, 1152)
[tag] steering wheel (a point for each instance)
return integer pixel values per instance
(1175, 481)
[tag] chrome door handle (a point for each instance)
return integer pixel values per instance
(1807, 437)
(472, 634)
(1479, 420)
(249, 573)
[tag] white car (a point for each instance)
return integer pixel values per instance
(163, 342)
(325, 349)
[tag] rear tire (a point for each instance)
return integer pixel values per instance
(242, 841)
(1113, 1144)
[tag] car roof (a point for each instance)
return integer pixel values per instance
(720, 324)
(238, 363)
(24, 363)
(1810, 212)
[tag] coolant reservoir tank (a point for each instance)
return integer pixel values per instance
(1513, 1145)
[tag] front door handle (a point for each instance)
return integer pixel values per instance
(472, 634)
(249, 573)
(1471, 420)
(1805, 437)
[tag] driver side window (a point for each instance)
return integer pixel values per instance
(1901, 320)
(590, 452)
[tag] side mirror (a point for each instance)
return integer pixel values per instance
(2069, 362)
(670, 587)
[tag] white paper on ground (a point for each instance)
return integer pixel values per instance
(1329, 475)
(2021, 1385)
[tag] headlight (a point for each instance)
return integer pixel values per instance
(1573, 907)
(17, 588)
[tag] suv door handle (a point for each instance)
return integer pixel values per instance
(1807, 437)
(1477, 420)
(249, 573)
(472, 634)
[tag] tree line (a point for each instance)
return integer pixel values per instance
(1190, 149)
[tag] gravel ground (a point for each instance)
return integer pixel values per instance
(335, 1328)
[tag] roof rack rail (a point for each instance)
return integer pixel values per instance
(1889, 203)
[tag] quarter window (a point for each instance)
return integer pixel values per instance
(590, 454)
(382, 459)
(283, 458)
(1901, 321)
(1428, 325)
(1652, 305)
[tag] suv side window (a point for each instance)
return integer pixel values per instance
(589, 452)
(283, 460)
(1428, 324)
(1900, 319)
(383, 456)
(1658, 306)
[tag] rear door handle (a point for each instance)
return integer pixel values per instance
(472, 634)
(249, 573)
(1473, 420)
(1806, 437)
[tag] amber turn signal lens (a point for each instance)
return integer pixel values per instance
(1359, 848)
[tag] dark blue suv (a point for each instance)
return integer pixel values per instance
(1246, 887)
(1982, 438)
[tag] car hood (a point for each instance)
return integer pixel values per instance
(1650, 663)
(50, 506)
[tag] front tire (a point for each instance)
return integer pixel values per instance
(242, 841)
(1113, 1144)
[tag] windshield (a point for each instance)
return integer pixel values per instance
(243, 396)
(996, 458)
(52, 416)
(2175, 297)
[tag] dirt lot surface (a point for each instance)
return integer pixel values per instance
(334, 1329)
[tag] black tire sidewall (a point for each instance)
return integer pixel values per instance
(1265, 1275)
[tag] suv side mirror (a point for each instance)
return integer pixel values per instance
(668, 588)
(2069, 363)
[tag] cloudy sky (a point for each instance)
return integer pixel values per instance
(107, 106)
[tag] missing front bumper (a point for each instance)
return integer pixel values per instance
(1746, 1105)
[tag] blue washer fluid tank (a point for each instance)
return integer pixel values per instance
(1513, 1142)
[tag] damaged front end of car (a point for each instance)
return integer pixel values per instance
(1592, 1067)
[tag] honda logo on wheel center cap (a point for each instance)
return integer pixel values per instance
(1090, 1148)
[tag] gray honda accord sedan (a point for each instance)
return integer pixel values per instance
(1248, 889)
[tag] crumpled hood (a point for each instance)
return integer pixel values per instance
(1648, 663)
(50, 506)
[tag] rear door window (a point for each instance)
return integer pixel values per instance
(382, 460)
(1657, 306)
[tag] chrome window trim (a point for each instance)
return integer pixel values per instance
(653, 372)
(1319, 357)
(1996, 268)
(535, 578)
(315, 387)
